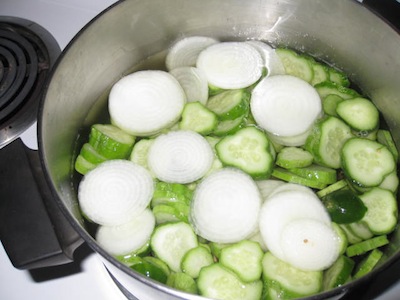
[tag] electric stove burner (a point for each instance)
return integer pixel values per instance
(27, 53)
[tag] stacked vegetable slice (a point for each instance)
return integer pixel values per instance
(242, 172)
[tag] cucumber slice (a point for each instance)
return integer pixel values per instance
(293, 157)
(367, 245)
(286, 278)
(333, 187)
(288, 176)
(111, 142)
(140, 152)
(330, 103)
(230, 126)
(361, 229)
(321, 73)
(390, 182)
(384, 137)
(89, 153)
(244, 258)
(342, 238)
(165, 193)
(368, 263)
(359, 113)
(172, 212)
(344, 206)
(218, 282)
(150, 270)
(352, 238)
(195, 259)
(171, 241)
(366, 162)
(296, 65)
(327, 88)
(382, 213)
(338, 273)
(316, 172)
(338, 77)
(248, 150)
(326, 140)
(229, 105)
(198, 118)
(83, 166)
(182, 281)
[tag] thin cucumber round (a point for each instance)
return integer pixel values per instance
(366, 162)
(195, 259)
(248, 150)
(198, 118)
(218, 282)
(171, 241)
(295, 64)
(229, 105)
(293, 157)
(382, 214)
(244, 258)
(326, 140)
(359, 113)
(110, 141)
(289, 279)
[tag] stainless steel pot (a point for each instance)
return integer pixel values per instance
(342, 32)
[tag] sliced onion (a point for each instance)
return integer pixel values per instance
(115, 192)
(285, 105)
(145, 102)
(180, 156)
(271, 60)
(280, 208)
(128, 237)
(225, 206)
(231, 65)
(184, 52)
(193, 82)
(309, 244)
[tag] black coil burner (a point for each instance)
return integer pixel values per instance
(27, 53)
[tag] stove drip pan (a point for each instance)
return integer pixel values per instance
(27, 54)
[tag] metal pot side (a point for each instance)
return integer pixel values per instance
(343, 32)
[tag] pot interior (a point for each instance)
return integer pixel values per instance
(121, 39)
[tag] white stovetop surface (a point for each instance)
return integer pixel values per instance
(86, 278)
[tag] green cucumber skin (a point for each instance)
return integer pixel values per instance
(370, 153)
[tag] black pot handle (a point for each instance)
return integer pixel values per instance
(33, 230)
